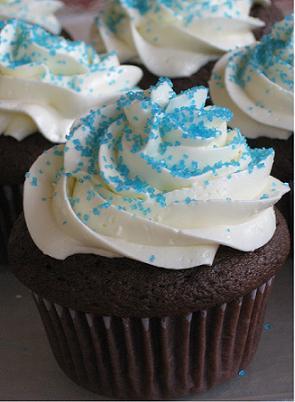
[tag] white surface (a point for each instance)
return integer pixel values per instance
(28, 370)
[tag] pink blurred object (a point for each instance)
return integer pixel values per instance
(89, 5)
(285, 5)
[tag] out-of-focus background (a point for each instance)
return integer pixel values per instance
(78, 15)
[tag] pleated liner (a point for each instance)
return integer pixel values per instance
(10, 207)
(155, 358)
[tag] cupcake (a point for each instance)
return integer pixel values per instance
(160, 248)
(46, 82)
(39, 12)
(178, 39)
(256, 83)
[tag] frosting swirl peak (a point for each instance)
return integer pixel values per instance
(155, 177)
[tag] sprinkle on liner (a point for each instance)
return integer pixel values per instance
(267, 326)
(243, 373)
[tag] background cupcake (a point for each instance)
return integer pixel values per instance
(180, 40)
(40, 12)
(256, 83)
(160, 247)
(46, 82)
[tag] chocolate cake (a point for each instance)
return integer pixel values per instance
(125, 287)
(18, 156)
(133, 331)
(16, 159)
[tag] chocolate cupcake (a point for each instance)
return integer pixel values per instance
(160, 248)
(181, 40)
(46, 82)
(256, 83)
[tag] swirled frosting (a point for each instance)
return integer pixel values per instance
(174, 38)
(47, 81)
(40, 12)
(154, 177)
(256, 83)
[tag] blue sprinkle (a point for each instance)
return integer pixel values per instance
(34, 182)
(267, 326)
(152, 258)
(243, 373)
(96, 211)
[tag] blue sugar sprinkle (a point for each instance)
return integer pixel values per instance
(152, 258)
(96, 211)
(243, 373)
(34, 182)
(267, 326)
(187, 200)
(85, 218)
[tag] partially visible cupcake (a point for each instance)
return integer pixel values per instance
(177, 39)
(256, 83)
(157, 248)
(40, 12)
(46, 83)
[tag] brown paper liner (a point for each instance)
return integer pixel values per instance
(155, 358)
(10, 207)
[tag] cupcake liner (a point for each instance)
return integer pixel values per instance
(155, 358)
(10, 208)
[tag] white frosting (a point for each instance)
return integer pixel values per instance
(154, 177)
(175, 38)
(256, 83)
(40, 12)
(47, 81)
